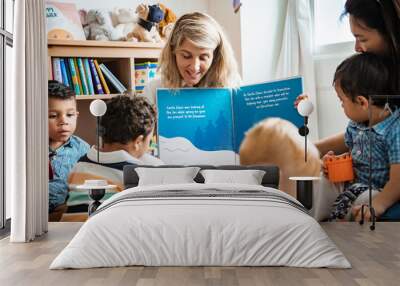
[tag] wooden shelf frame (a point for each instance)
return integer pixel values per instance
(105, 49)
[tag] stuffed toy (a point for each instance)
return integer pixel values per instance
(97, 25)
(146, 28)
(124, 21)
(277, 141)
(167, 23)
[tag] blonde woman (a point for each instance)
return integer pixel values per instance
(197, 54)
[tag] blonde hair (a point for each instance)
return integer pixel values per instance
(205, 32)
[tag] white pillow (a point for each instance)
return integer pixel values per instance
(163, 176)
(248, 177)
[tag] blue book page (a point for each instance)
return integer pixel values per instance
(195, 126)
(256, 102)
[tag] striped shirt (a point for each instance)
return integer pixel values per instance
(65, 158)
(385, 149)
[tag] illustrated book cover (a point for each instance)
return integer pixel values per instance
(207, 125)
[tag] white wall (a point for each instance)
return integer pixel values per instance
(331, 118)
(178, 6)
(222, 11)
(262, 23)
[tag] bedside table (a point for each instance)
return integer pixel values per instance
(96, 190)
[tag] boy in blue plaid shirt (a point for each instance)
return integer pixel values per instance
(355, 79)
(65, 149)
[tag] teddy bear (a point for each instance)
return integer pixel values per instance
(167, 23)
(97, 25)
(124, 21)
(146, 28)
(277, 141)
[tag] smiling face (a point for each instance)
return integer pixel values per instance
(62, 120)
(367, 39)
(193, 62)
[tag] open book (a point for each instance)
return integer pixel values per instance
(207, 125)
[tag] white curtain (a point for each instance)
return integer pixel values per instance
(26, 124)
(296, 57)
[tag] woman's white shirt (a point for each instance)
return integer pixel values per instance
(150, 90)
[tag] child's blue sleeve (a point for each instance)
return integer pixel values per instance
(348, 138)
(84, 148)
(393, 145)
(81, 147)
(58, 191)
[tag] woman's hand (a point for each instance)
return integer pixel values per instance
(300, 98)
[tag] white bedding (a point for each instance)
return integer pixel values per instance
(200, 231)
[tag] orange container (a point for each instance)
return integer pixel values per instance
(340, 169)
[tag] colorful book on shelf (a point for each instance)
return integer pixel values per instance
(96, 78)
(57, 74)
(78, 76)
(113, 79)
(74, 76)
(144, 72)
(63, 22)
(207, 125)
(101, 76)
(64, 72)
(88, 75)
(83, 76)
(71, 85)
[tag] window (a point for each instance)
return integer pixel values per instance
(6, 44)
(9, 18)
(331, 34)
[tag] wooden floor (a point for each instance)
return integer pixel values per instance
(374, 255)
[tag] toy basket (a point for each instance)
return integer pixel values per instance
(340, 169)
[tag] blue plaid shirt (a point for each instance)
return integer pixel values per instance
(64, 160)
(385, 149)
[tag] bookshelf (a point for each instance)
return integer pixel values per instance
(119, 57)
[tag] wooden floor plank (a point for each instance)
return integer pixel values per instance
(375, 257)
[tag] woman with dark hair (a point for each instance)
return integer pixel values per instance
(375, 25)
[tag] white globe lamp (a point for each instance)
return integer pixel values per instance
(98, 108)
(305, 108)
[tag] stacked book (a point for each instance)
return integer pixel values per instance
(144, 72)
(85, 76)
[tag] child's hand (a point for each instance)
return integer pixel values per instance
(356, 211)
(327, 156)
(299, 98)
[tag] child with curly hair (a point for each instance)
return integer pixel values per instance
(126, 130)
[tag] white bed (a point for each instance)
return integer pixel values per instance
(250, 228)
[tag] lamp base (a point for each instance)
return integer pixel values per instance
(96, 195)
(304, 193)
(304, 190)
